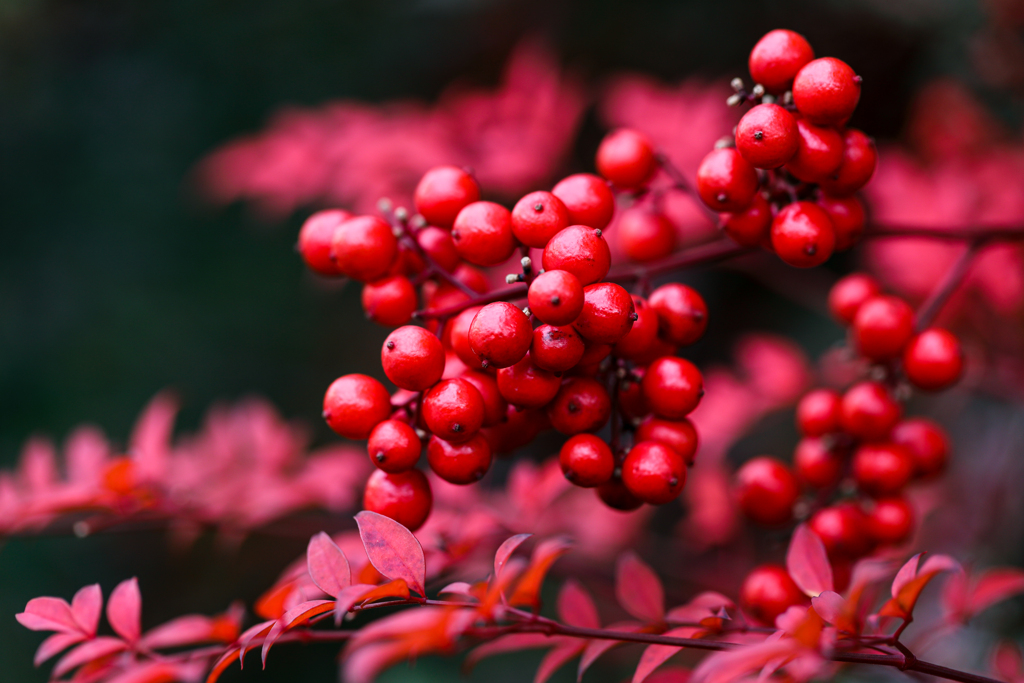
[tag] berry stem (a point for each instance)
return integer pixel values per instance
(951, 281)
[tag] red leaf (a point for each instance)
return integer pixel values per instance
(86, 607)
(807, 562)
(505, 551)
(656, 655)
(994, 585)
(392, 549)
(349, 597)
(221, 664)
(638, 589)
(576, 607)
(186, 630)
(249, 635)
(327, 564)
(672, 674)
(365, 663)
(733, 665)
(124, 610)
(88, 652)
(58, 642)
(294, 617)
(48, 614)
(149, 672)
(527, 591)
(513, 642)
(911, 580)
(595, 648)
(1008, 663)
(831, 607)
(458, 588)
(556, 659)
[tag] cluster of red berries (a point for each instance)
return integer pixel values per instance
(787, 179)
(858, 453)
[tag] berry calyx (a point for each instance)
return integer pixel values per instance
(586, 460)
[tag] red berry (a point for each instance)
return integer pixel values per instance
(766, 490)
(654, 473)
(580, 250)
(608, 313)
(443, 192)
(767, 136)
(802, 235)
(355, 404)
(439, 246)
(682, 313)
(882, 327)
(642, 334)
(933, 360)
(868, 411)
(500, 334)
(404, 497)
(538, 217)
(630, 399)
(817, 413)
(842, 528)
(826, 91)
(848, 218)
(364, 248)
(390, 301)
(495, 406)
(588, 200)
(626, 158)
(645, 235)
(818, 154)
(581, 405)
(615, 495)
(890, 521)
(519, 428)
(556, 297)
(815, 464)
(927, 444)
(459, 463)
(586, 460)
(457, 335)
(673, 387)
(526, 385)
(316, 237)
(847, 296)
(777, 58)
(679, 435)
(413, 358)
(857, 167)
(726, 181)
(556, 349)
(882, 469)
(394, 446)
(749, 227)
(483, 234)
(768, 591)
(453, 410)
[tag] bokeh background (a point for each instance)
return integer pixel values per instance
(119, 277)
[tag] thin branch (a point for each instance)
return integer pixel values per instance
(953, 278)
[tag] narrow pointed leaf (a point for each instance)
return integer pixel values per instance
(595, 648)
(150, 672)
(292, 618)
(48, 614)
(56, 643)
(221, 664)
(656, 655)
(513, 642)
(808, 563)
(392, 549)
(505, 551)
(250, 634)
(527, 590)
(88, 652)
(576, 607)
(327, 564)
(124, 610)
(638, 589)
(86, 607)
(556, 659)
(186, 630)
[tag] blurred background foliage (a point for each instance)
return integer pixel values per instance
(117, 282)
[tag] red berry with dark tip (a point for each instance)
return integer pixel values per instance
(843, 530)
(848, 219)
(556, 349)
(826, 91)
(453, 410)
(460, 463)
(846, 296)
(316, 238)
(443, 192)
(868, 411)
(495, 406)
(933, 359)
(519, 428)
(882, 469)
(355, 404)
(588, 200)
(679, 435)
(482, 233)
(859, 160)
(766, 490)
(390, 301)
(626, 158)
(581, 405)
(500, 334)
(726, 181)
(526, 385)
(608, 313)
(816, 465)
(413, 358)
(818, 153)
(364, 248)
(927, 444)
(767, 592)
(882, 327)
(777, 58)
(654, 473)
(538, 217)
(767, 136)
(586, 460)
(404, 497)
(749, 227)
(394, 446)
(890, 521)
(642, 335)
(817, 413)
(682, 313)
(556, 297)
(802, 235)
(673, 387)
(580, 250)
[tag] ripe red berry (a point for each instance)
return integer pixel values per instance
(654, 473)
(819, 152)
(413, 358)
(483, 233)
(608, 313)
(588, 200)
(556, 297)
(538, 217)
(459, 463)
(526, 385)
(457, 336)
(802, 235)
(817, 413)
(586, 460)
(882, 327)
(767, 592)
(777, 58)
(519, 428)
(641, 335)
(749, 227)
(500, 334)
(682, 313)
(630, 399)
(826, 91)
(645, 235)
(868, 411)
(355, 404)
(815, 464)
(846, 296)
(581, 405)
(673, 387)
(615, 495)
(927, 444)
(679, 435)
(626, 158)
(767, 136)
(364, 248)
(439, 246)
(890, 521)
(843, 530)
(443, 192)
(390, 301)
(495, 406)
(594, 354)
(933, 359)
(453, 410)
(882, 469)
(404, 497)
(726, 181)
(857, 167)
(394, 446)
(556, 349)
(316, 237)
(766, 490)
(848, 218)
(580, 250)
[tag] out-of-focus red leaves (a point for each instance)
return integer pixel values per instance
(735, 665)
(576, 607)
(808, 563)
(95, 649)
(964, 596)
(393, 550)
(656, 655)
(597, 647)
(638, 589)
(1008, 662)
(911, 580)
(124, 610)
(527, 590)
(296, 616)
(328, 566)
(505, 551)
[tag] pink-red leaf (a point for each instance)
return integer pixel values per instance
(86, 607)
(505, 551)
(124, 610)
(88, 652)
(597, 647)
(392, 549)
(527, 591)
(295, 616)
(807, 562)
(250, 634)
(576, 607)
(556, 659)
(148, 672)
(912, 579)
(185, 630)
(221, 664)
(350, 597)
(327, 564)
(58, 642)
(733, 665)
(457, 588)
(513, 642)
(994, 585)
(48, 614)
(831, 607)
(365, 663)
(638, 589)
(656, 655)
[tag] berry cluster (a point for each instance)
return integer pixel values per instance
(786, 180)
(858, 453)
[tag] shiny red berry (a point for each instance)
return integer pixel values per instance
(459, 463)
(453, 410)
(556, 297)
(394, 446)
(933, 359)
(645, 235)
(726, 181)
(316, 237)
(581, 405)
(766, 490)
(626, 158)
(682, 313)
(817, 413)
(500, 334)
(390, 301)
(776, 59)
(767, 136)
(826, 91)
(364, 248)
(818, 154)
(679, 435)
(608, 313)
(404, 497)
(802, 235)
(849, 293)
(519, 428)
(355, 404)
(843, 530)
(890, 521)
(580, 250)
(526, 385)
(642, 335)
(586, 460)
(556, 349)
(816, 465)
(654, 473)
(439, 245)
(927, 444)
(857, 167)
(749, 227)
(588, 200)
(482, 233)
(673, 387)
(457, 337)
(413, 358)
(868, 411)
(538, 217)
(848, 218)
(882, 327)
(767, 592)
(882, 469)
(495, 406)
(443, 192)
